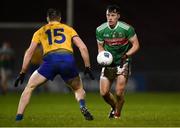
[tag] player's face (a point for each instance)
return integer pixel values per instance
(112, 18)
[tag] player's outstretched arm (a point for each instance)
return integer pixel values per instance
(83, 49)
(85, 55)
(27, 57)
(26, 61)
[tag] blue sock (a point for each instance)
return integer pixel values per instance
(19, 117)
(82, 103)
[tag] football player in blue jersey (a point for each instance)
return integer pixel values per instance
(56, 40)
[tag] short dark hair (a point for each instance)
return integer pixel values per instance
(53, 14)
(113, 8)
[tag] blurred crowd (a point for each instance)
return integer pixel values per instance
(7, 62)
(7, 57)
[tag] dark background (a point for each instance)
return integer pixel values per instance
(156, 24)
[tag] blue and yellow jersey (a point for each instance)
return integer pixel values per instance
(53, 36)
(37, 56)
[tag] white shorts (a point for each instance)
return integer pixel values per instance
(112, 72)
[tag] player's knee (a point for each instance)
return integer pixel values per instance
(120, 91)
(104, 92)
(75, 84)
(29, 88)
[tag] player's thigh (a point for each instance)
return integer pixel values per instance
(105, 85)
(35, 80)
(108, 74)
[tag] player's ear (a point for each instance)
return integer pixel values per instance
(59, 19)
(47, 18)
(118, 16)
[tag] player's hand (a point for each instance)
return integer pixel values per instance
(20, 79)
(89, 72)
(123, 60)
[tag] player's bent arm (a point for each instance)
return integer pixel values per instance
(27, 57)
(100, 46)
(83, 50)
(135, 46)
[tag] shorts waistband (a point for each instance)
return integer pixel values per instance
(59, 51)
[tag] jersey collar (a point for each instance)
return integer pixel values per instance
(54, 22)
(114, 27)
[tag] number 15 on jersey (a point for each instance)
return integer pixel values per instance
(56, 33)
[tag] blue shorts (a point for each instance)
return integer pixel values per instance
(62, 64)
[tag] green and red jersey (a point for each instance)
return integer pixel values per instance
(115, 40)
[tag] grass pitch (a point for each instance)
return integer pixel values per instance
(62, 110)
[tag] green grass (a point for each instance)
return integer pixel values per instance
(140, 109)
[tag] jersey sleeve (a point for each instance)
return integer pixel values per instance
(99, 36)
(73, 33)
(36, 37)
(130, 32)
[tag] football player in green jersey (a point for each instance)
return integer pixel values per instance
(120, 39)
